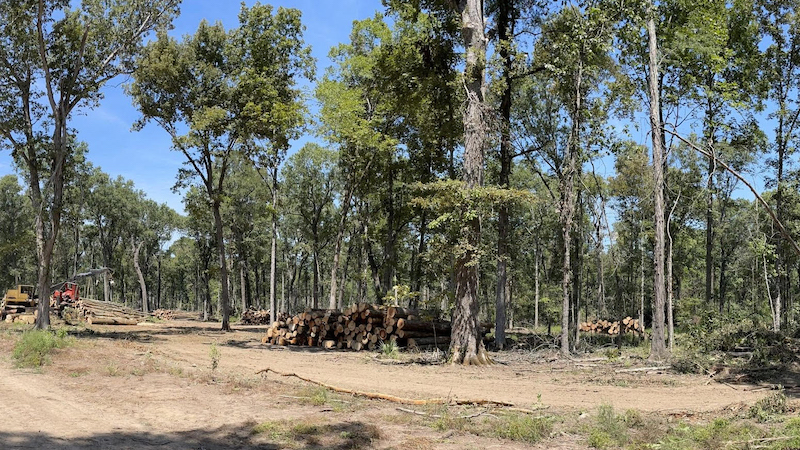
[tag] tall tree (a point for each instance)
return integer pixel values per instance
(658, 349)
(218, 93)
(55, 59)
(466, 345)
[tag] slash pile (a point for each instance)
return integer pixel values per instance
(627, 325)
(361, 326)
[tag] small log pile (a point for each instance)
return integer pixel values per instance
(258, 317)
(361, 327)
(164, 314)
(602, 326)
(96, 312)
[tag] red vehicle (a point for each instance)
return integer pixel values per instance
(67, 293)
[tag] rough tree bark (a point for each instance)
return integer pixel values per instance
(658, 348)
(466, 346)
(142, 285)
(273, 307)
(567, 210)
(224, 300)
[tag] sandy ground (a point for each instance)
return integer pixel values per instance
(152, 386)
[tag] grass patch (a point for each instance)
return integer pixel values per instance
(319, 396)
(521, 428)
(512, 426)
(34, 347)
(609, 429)
(307, 434)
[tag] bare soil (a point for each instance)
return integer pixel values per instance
(153, 386)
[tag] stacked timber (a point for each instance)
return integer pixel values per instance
(258, 317)
(602, 326)
(164, 314)
(96, 312)
(361, 327)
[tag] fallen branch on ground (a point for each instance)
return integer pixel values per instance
(437, 416)
(391, 398)
(642, 369)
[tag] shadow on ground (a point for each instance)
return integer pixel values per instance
(156, 334)
(339, 436)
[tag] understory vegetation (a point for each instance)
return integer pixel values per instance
(34, 347)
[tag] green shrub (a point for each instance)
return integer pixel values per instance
(609, 430)
(768, 407)
(34, 347)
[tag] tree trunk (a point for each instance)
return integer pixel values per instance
(466, 346)
(158, 288)
(224, 300)
(536, 257)
(273, 307)
(567, 212)
(136, 247)
(242, 289)
(658, 349)
(337, 249)
(505, 27)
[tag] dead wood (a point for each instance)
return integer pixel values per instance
(387, 397)
(643, 369)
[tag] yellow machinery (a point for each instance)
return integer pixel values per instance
(22, 295)
(18, 300)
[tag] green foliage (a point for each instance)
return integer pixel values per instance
(34, 347)
(390, 349)
(215, 354)
(400, 295)
(609, 430)
(769, 407)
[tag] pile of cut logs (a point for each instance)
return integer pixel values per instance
(255, 317)
(176, 314)
(102, 313)
(627, 325)
(361, 326)
(164, 314)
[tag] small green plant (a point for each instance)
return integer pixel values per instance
(215, 355)
(34, 347)
(612, 353)
(112, 369)
(390, 349)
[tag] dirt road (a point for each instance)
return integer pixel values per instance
(152, 386)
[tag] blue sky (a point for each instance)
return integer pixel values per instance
(145, 156)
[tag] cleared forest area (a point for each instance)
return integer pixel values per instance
(186, 384)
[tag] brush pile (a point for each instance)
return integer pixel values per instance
(362, 327)
(627, 325)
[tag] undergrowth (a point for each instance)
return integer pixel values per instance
(309, 434)
(633, 430)
(499, 424)
(34, 347)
